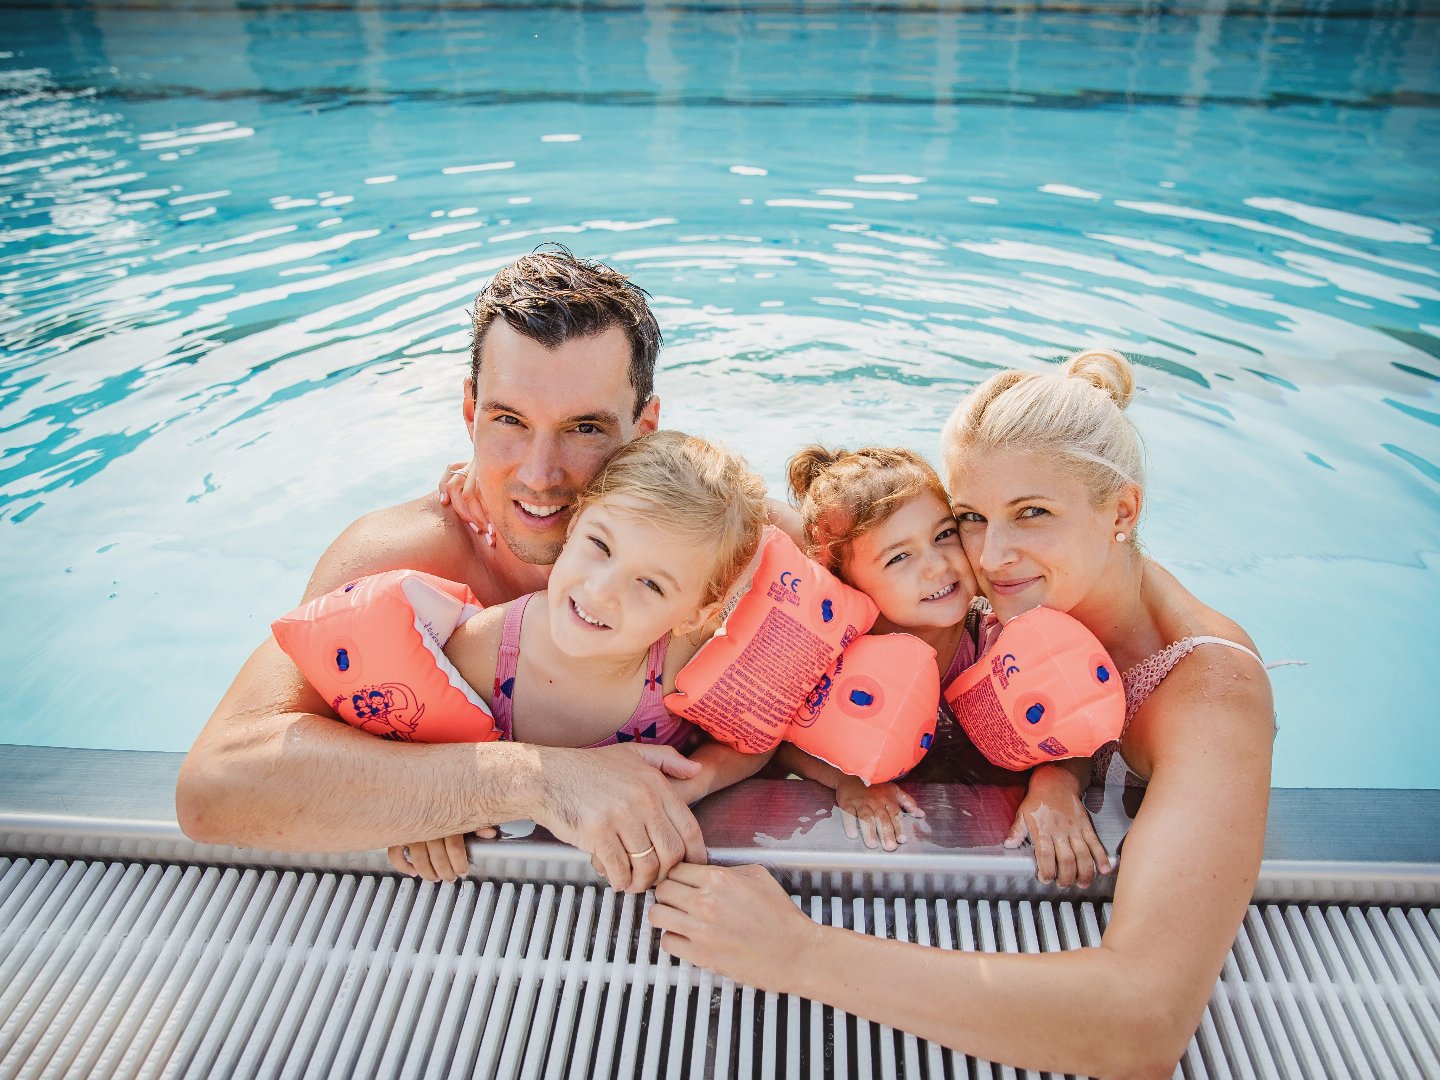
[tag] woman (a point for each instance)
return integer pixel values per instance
(1045, 471)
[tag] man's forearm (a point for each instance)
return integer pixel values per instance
(302, 782)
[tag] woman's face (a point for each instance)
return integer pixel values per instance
(1030, 530)
(621, 583)
(911, 565)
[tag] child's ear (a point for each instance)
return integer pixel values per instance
(707, 614)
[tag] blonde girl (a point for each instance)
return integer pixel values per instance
(1045, 474)
(657, 540)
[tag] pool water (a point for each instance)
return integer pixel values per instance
(237, 243)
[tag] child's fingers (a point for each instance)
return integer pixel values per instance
(459, 857)
(397, 858)
(487, 832)
(1017, 833)
(1084, 862)
(1044, 857)
(419, 855)
(847, 818)
(885, 829)
(867, 832)
(897, 823)
(907, 803)
(1098, 852)
(1065, 868)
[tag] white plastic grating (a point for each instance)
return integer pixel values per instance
(128, 969)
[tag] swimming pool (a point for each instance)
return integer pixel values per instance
(238, 243)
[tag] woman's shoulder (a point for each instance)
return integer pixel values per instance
(1179, 614)
(1213, 690)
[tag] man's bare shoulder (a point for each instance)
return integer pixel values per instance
(416, 535)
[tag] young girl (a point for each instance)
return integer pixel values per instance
(880, 520)
(658, 540)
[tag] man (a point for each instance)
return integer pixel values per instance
(562, 371)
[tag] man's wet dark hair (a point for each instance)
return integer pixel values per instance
(552, 297)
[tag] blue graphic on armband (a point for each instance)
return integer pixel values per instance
(1102, 673)
(861, 698)
(342, 660)
(827, 610)
(926, 740)
(347, 588)
(1034, 713)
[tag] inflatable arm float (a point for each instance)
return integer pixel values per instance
(791, 663)
(1045, 690)
(373, 649)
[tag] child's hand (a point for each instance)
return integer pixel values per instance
(458, 491)
(1067, 850)
(692, 789)
(879, 810)
(437, 860)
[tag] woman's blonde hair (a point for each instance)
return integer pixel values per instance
(699, 492)
(1078, 416)
(843, 494)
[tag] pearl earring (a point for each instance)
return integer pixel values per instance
(1120, 538)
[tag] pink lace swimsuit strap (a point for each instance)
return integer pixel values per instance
(1142, 679)
(1140, 682)
(651, 722)
(502, 697)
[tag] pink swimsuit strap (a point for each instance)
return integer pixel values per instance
(1140, 682)
(981, 630)
(650, 722)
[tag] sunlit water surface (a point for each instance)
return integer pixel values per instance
(236, 248)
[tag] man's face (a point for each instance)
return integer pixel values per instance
(543, 422)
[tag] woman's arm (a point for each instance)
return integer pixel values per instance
(1128, 1006)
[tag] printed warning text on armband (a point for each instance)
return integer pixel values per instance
(983, 718)
(752, 701)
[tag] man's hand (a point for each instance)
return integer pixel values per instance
(617, 804)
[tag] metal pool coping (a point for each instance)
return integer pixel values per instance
(127, 950)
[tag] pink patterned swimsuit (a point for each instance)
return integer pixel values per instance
(981, 630)
(1140, 682)
(651, 722)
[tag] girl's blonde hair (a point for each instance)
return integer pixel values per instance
(843, 494)
(700, 492)
(1078, 416)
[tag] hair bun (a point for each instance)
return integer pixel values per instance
(807, 465)
(1104, 369)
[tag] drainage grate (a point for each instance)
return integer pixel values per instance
(113, 968)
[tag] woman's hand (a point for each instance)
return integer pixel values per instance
(1067, 850)
(437, 860)
(734, 920)
(458, 491)
(877, 812)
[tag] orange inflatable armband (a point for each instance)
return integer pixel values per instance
(746, 682)
(373, 649)
(1045, 690)
(873, 715)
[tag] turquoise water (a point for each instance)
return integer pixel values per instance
(237, 244)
